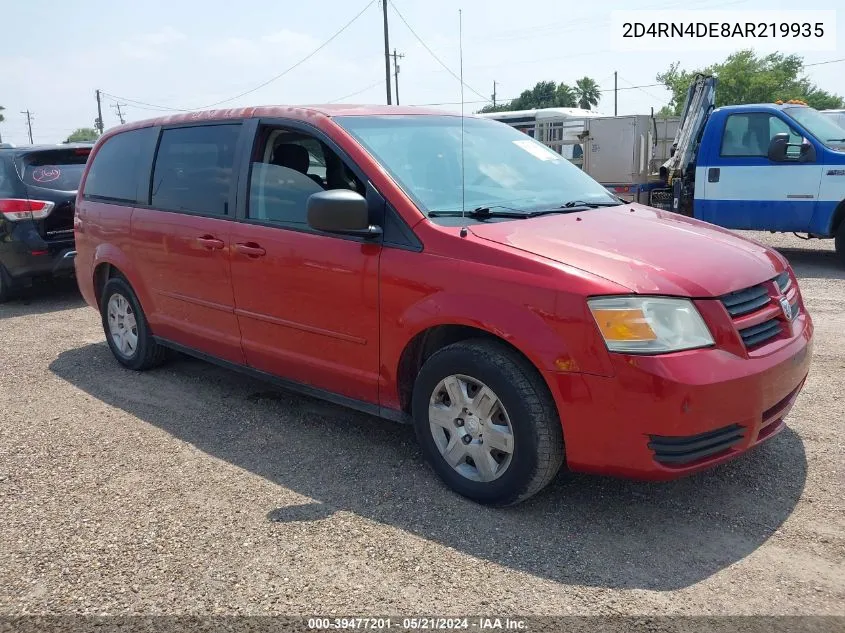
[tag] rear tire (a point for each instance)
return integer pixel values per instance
(487, 423)
(126, 328)
(840, 243)
(6, 290)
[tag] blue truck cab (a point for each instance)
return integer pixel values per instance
(767, 167)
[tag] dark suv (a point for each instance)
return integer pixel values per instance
(37, 191)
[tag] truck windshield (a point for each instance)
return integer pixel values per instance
(503, 168)
(820, 126)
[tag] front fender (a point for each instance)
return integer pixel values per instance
(520, 326)
(558, 337)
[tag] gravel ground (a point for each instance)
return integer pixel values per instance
(195, 490)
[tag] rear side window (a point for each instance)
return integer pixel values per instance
(193, 169)
(59, 169)
(7, 185)
(115, 173)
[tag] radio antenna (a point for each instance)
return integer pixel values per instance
(463, 184)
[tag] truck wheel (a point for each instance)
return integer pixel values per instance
(486, 422)
(126, 329)
(840, 243)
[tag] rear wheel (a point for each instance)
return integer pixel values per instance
(487, 423)
(5, 285)
(840, 243)
(126, 329)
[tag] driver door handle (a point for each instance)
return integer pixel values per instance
(250, 249)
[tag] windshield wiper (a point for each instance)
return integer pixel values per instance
(480, 213)
(484, 212)
(588, 205)
(836, 140)
(573, 207)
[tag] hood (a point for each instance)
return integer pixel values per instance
(646, 250)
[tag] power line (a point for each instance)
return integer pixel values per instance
(296, 65)
(431, 52)
(512, 98)
(263, 84)
(148, 106)
(830, 61)
(640, 88)
(357, 92)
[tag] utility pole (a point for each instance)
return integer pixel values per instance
(494, 93)
(116, 106)
(396, 57)
(615, 93)
(28, 124)
(99, 121)
(386, 52)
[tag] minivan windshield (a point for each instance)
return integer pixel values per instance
(824, 128)
(503, 169)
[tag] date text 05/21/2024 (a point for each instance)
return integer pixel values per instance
(422, 624)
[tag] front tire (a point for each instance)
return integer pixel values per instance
(840, 243)
(126, 328)
(487, 423)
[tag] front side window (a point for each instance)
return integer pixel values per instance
(824, 128)
(114, 174)
(193, 169)
(502, 167)
(287, 168)
(749, 134)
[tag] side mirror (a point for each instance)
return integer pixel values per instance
(340, 211)
(808, 152)
(778, 146)
(779, 150)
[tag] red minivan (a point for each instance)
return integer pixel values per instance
(450, 272)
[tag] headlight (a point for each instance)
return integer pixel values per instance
(649, 325)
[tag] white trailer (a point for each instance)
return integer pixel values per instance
(837, 115)
(624, 153)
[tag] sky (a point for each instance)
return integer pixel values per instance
(186, 54)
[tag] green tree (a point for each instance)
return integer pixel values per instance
(544, 94)
(666, 111)
(565, 96)
(745, 77)
(587, 92)
(83, 134)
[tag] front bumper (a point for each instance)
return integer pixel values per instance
(662, 417)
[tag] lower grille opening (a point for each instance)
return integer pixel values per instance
(681, 450)
(773, 412)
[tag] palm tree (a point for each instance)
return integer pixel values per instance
(588, 93)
